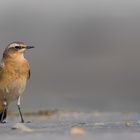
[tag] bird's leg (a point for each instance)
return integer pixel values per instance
(4, 112)
(18, 105)
(2, 117)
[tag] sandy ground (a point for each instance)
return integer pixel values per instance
(73, 125)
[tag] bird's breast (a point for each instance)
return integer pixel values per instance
(16, 70)
(13, 79)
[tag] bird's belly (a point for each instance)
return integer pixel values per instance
(13, 90)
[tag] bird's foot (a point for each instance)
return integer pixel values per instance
(2, 122)
(25, 122)
(22, 121)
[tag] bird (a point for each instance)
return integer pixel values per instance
(14, 73)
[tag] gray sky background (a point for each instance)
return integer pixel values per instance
(87, 54)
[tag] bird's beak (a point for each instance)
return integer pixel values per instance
(29, 47)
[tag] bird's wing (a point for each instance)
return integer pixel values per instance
(29, 74)
(1, 68)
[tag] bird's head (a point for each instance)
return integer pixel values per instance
(16, 48)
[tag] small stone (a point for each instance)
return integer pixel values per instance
(22, 127)
(127, 124)
(99, 124)
(77, 131)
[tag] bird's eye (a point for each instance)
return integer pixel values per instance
(18, 47)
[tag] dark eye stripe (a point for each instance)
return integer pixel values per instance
(19, 47)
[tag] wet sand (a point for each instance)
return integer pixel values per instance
(72, 125)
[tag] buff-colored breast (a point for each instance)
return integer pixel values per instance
(13, 76)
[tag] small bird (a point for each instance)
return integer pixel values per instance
(14, 73)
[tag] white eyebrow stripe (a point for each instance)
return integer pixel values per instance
(15, 44)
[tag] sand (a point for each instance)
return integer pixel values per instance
(73, 126)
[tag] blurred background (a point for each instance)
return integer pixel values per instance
(87, 55)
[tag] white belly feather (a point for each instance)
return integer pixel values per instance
(13, 90)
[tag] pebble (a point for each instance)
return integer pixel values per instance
(77, 131)
(22, 127)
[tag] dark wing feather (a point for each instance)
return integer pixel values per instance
(29, 74)
(1, 69)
